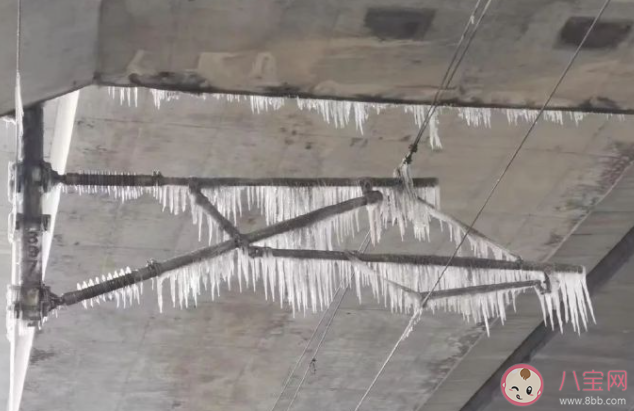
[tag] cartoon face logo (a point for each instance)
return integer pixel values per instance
(522, 385)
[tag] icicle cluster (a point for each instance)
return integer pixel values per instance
(279, 203)
(576, 300)
(124, 296)
(310, 285)
(130, 96)
(419, 210)
(476, 117)
(261, 104)
(340, 113)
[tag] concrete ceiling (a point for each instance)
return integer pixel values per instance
(363, 50)
(566, 198)
(368, 50)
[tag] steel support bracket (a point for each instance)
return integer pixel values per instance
(33, 303)
(43, 222)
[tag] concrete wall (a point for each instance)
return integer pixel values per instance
(59, 42)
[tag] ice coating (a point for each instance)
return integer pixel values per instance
(123, 296)
(414, 212)
(279, 203)
(341, 113)
(310, 285)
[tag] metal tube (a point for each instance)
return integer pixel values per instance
(467, 229)
(213, 212)
(427, 260)
(155, 269)
(156, 179)
(480, 289)
(31, 220)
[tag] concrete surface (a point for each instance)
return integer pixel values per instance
(58, 48)
(234, 354)
(356, 51)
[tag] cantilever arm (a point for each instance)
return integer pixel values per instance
(105, 179)
(427, 260)
(155, 269)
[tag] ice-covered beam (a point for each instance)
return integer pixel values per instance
(427, 260)
(155, 269)
(105, 179)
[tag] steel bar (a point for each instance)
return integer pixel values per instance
(427, 260)
(213, 212)
(157, 180)
(424, 296)
(439, 215)
(480, 289)
(31, 220)
(155, 269)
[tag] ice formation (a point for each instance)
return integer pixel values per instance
(414, 211)
(130, 96)
(340, 113)
(124, 296)
(476, 117)
(310, 285)
(279, 203)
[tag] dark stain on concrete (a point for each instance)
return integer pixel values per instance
(460, 344)
(612, 168)
(554, 240)
(40, 355)
(392, 23)
(606, 34)
(284, 89)
(187, 82)
(358, 142)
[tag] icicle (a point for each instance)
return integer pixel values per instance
(475, 117)
(261, 104)
(309, 285)
(434, 137)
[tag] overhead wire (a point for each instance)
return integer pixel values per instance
(417, 314)
(450, 72)
(339, 295)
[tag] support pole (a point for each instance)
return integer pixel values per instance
(155, 269)
(425, 260)
(31, 222)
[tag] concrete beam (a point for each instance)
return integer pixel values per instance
(542, 334)
(356, 52)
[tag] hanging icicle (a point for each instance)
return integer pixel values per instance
(124, 296)
(476, 117)
(306, 284)
(434, 135)
(339, 113)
